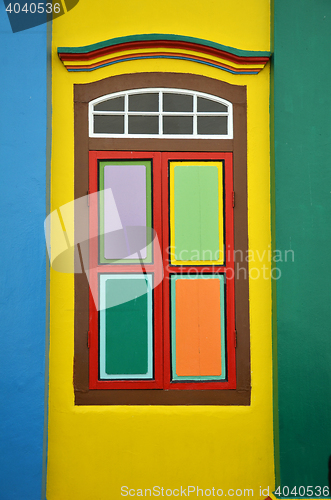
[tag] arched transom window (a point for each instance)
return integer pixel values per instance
(161, 112)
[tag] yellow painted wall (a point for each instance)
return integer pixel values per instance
(93, 451)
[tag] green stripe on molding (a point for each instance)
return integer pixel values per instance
(162, 37)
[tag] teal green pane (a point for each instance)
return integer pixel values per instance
(196, 213)
(127, 328)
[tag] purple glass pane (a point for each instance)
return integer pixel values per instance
(124, 207)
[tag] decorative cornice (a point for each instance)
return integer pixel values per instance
(158, 46)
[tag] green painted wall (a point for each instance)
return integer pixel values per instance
(302, 128)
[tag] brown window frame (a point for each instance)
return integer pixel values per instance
(83, 94)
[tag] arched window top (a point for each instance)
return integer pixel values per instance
(161, 112)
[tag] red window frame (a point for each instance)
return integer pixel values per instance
(95, 268)
(161, 293)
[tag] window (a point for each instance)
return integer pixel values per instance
(160, 112)
(149, 333)
(170, 323)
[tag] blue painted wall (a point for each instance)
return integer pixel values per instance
(22, 259)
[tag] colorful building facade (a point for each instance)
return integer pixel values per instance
(218, 96)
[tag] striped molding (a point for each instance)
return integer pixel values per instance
(156, 46)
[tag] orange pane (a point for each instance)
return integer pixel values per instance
(198, 327)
